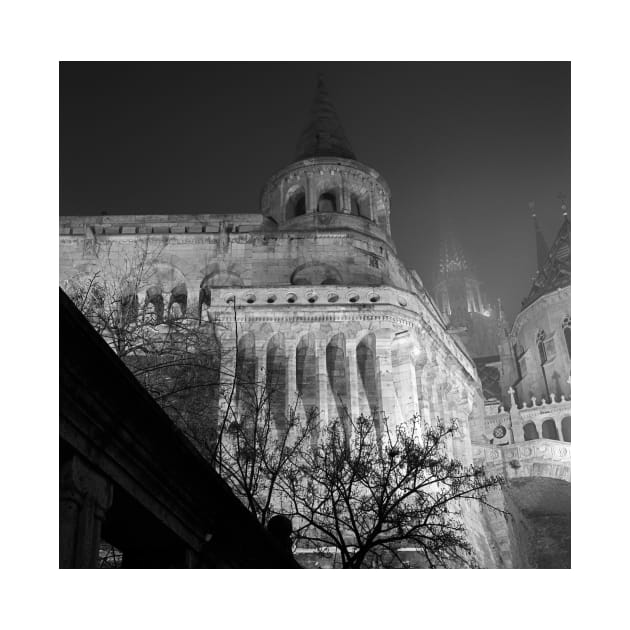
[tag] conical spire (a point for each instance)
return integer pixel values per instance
(542, 251)
(323, 135)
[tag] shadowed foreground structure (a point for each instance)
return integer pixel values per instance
(129, 480)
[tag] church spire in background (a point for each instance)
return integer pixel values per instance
(323, 135)
(542, 251)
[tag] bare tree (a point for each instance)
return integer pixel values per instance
(369, 495)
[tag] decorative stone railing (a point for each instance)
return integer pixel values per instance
(534, 458)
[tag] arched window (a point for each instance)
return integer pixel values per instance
(565, 425)
(549, 430)
(327, 203)
(530, 432)
(296, 205)
(354, 206)
(566, 329)
(178, 301)
(540, 342)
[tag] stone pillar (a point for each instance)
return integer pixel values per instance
(227, 387)
(352, 379)
(311, 196)
(84, 498)
(408, 389)
(291, 376)
(384, 377)
(262, 395)
(322, 382)
(346, 204)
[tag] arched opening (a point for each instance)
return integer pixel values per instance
(315, 273)
(306, 373)
(276, 380)
(338, 402)
(327, 203)
(565, 425)
(296, 205)
(549, 430)
(246, 400)
(178, 301)
(369, 404)
(354, 206)
(530, 432)
(154, 305)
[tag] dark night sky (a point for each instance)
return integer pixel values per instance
(471, 142)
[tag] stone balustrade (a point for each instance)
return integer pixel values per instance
(534, 458)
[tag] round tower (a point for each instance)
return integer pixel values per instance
(325, 186)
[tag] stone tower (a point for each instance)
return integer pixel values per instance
(479, 325)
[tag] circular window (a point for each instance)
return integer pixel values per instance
(271, 299)
(250, 299)
(333, 297)
(353, 297)
(229, 299)
(499, 432)
(291, 298)
(402, 301)
(312, 298)
(374, 297)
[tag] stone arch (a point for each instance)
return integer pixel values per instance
(530, 432)
(566, 428)
(312, 273)
(295, 205)
(246, 377)
(306, 373)
(217, 275)
(550, 430)
(276, 379)
(541, 514)
(360, 205)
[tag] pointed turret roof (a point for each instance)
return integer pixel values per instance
(542, 251)
(555, 272)
(323, 135)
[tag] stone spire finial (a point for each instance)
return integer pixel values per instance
(323, 135)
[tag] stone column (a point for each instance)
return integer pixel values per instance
(384, 377)
(322, 382)
(291, 375)
(84, 498)
(262, 395)
(352, 379)
(409, 391)
(227, 387)
(310, 196)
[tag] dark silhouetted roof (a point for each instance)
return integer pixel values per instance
(555, 272)
(323, 135)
